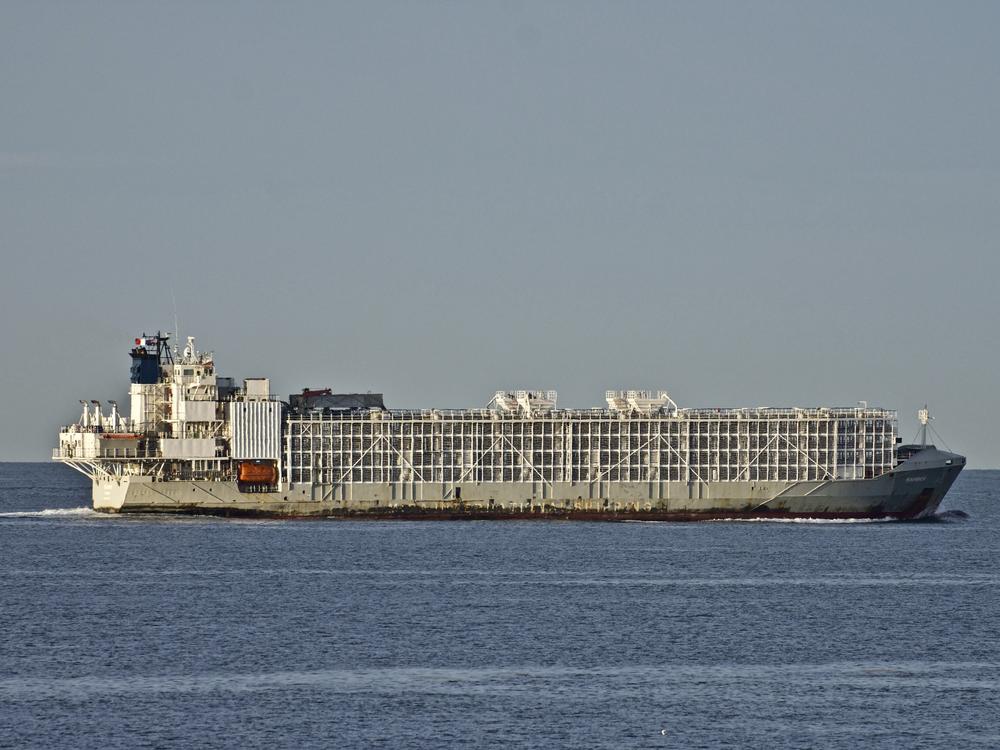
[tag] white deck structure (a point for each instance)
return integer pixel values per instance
(436, 452)
(199, 442)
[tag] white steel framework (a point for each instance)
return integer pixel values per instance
(692, 445)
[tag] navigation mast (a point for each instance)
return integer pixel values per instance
(924, 416)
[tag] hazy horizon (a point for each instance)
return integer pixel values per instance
(782, 204)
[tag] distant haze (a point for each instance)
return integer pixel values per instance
(744, 203)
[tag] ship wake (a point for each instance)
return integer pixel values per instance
(947, 516)
(820, 521)
(53, 512)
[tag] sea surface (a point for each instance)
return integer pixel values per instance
(151, 631)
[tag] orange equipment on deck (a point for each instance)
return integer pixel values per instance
(260, 473)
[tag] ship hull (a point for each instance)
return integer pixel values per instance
(914, 489)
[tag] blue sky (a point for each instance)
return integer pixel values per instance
(746, 204)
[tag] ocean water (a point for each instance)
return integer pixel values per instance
(149, 631)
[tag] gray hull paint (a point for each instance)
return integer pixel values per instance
(914, 489)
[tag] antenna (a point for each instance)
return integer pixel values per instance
(177, 328)
(924, 416)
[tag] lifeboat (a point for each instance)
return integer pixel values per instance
(258, 472)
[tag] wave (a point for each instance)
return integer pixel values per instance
(947, 516)
(87, 512)
(803, 520)
(491, 680)
(49, 512)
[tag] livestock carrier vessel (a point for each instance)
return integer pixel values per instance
(195, 442)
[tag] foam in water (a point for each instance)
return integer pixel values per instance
(950, 515)
(803, 520)
(72, 512)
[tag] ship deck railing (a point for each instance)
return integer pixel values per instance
(122, 454)
(244, 397)
(752, 413)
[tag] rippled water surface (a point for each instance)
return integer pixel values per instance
(149, 631)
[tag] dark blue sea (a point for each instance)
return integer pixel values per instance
(136, 632)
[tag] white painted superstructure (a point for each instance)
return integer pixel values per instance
(321, 452)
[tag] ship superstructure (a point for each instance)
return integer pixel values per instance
(197, 442)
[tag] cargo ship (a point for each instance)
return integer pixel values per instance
(197, 442)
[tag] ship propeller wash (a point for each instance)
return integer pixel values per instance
(195, 442)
